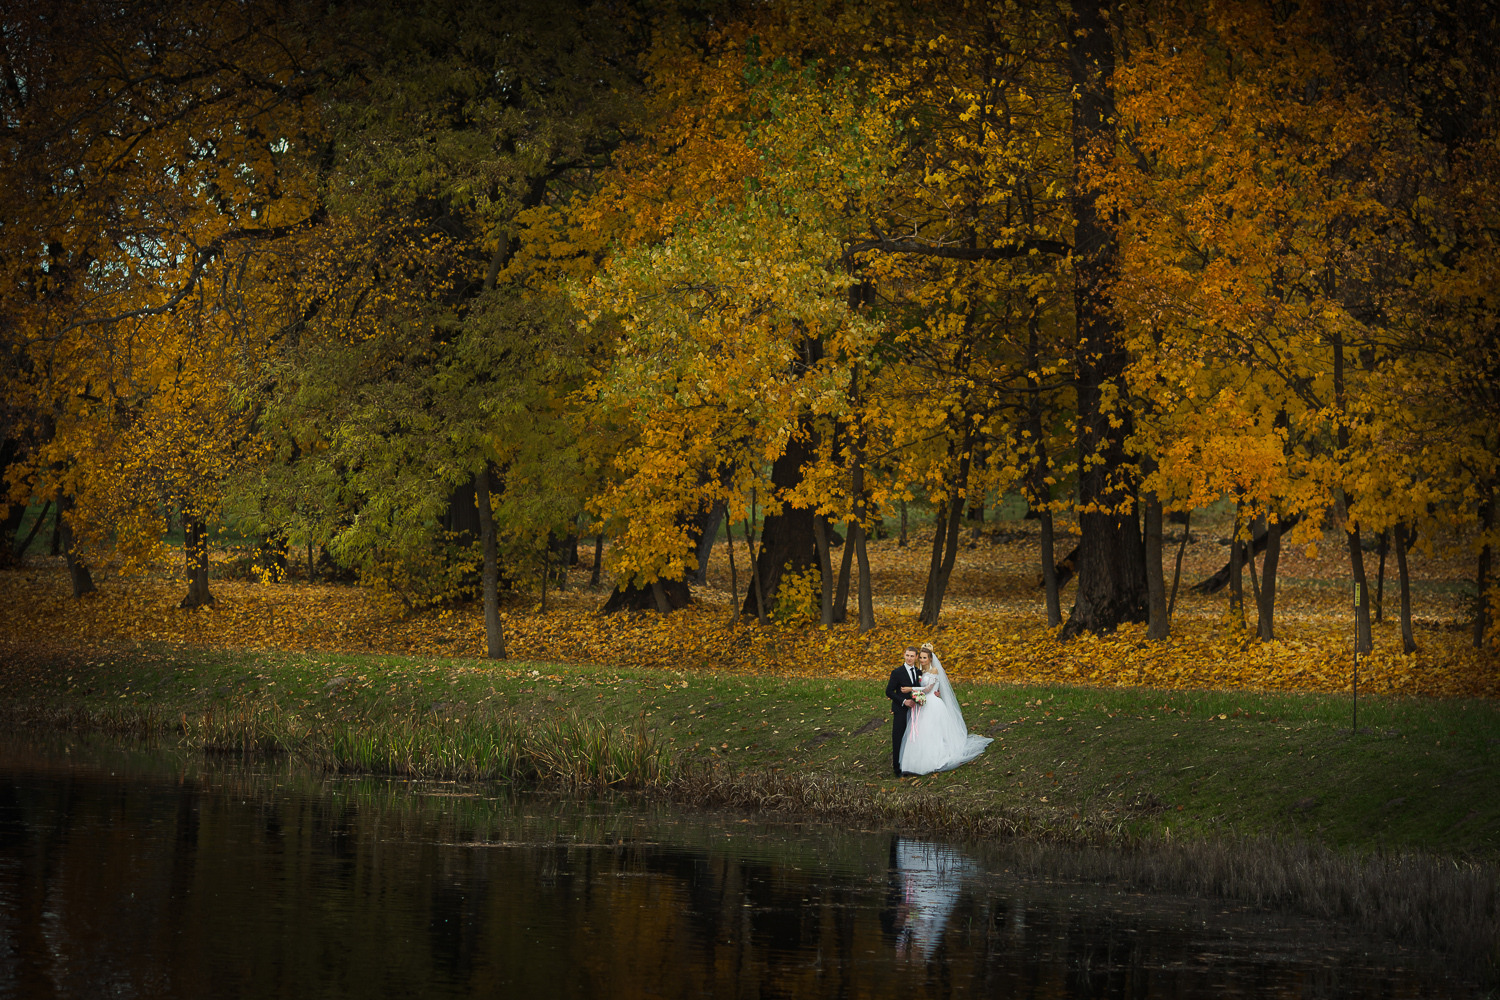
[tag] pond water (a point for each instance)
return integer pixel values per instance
(158, 874)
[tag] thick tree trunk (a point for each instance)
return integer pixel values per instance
(675, 593)
(494, 632)
(1266, 600)
(195, 550)
(786, 539)
(1111, 566)
(1403, 544)
(1156, 587)
(78, 571)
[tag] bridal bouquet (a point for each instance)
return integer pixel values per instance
(919, 696)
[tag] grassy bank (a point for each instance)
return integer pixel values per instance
(1088, 763)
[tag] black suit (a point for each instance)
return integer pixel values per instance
(900, 677)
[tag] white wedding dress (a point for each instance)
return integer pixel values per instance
(937, 739)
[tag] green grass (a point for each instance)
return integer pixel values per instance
(1419, 775)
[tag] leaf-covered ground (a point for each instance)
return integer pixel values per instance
(992, 629)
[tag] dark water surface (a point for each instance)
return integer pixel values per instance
(136, 874)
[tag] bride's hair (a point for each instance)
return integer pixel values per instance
(927, 648)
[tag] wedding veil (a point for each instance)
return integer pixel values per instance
(945, 689)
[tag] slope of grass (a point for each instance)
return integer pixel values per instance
(1418, 775)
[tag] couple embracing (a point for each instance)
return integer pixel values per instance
(927, 726)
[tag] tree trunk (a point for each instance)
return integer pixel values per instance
(866, 598)
(15, 514)
(841, 599)
(659, 595)
(1362, 639)
(860, 510)
(1156, 587)
(1257, 544)
(710, 534)
(24, 544)
(1265, 624)
(786, 539)
(1049, 572)
(901, 542)
(598, 560)
(1187, 528)
(195, 549)
(938, 586)
(935, 561)
(825, 570)
(494, 633)
(1111, 566)
(1482, 576)
(950, 549)
(762, 613)
(546, 569)
(1236, 569)
(1040, 500)
(1403, 544)
(78, 571)
(734, 578)
(1382, 546)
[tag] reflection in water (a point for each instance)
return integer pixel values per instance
(162, 876)
(927, 879)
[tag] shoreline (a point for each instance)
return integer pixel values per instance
(1262, 798)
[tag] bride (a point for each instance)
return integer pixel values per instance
(936, 737)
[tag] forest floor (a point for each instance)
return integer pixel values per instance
(993, 625)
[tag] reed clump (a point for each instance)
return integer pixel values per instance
(568, 752)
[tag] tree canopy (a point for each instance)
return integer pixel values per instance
(437, 287)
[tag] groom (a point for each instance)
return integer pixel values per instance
(905, 675)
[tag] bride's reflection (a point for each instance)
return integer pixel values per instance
(925, 881)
